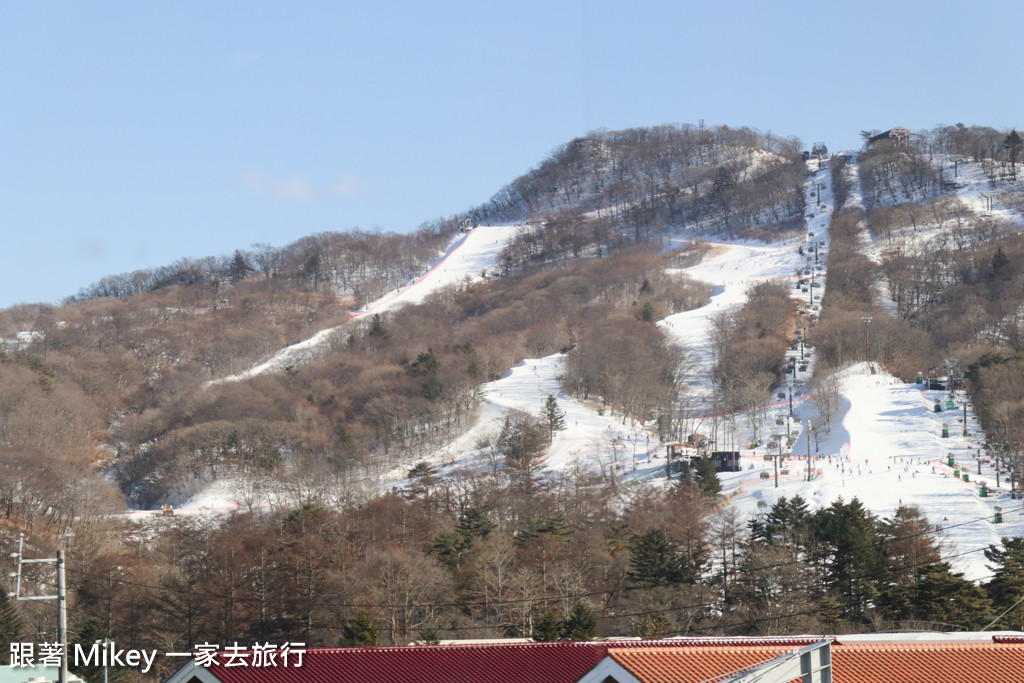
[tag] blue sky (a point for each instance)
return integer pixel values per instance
(133, 134)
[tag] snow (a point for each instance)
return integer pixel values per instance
(470, 255)
(466, 260)
(885, 446)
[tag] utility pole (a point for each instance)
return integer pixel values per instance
(867, 337)
(62, 617)
(61, 597)
(808, 450)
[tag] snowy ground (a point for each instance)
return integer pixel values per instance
(885, 446)
(467, 259)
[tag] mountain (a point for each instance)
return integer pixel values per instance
(497, 393)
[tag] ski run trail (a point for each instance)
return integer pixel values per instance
(885, 447)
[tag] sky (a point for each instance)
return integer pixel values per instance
(136, 134)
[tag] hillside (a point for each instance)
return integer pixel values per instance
(484, 408)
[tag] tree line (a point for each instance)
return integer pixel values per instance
(478, 556)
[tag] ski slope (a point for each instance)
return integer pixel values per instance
(470, 255)
(885, 446)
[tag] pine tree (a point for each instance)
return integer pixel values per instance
(360, 630)
(945, 596)
(581, 623)
(649, 312)
(93, 631)
(547, 629)
(851, 545)
(1013, 144)
(707, 477)
(430, 636)
(239, 267)
(377, 327)
(10, 623)
(1007, 584)
(552, 417)
(474, 522)
(656, 561)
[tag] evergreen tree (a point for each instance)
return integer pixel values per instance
(851, 549)
(552, 417)
(947, 597)
(786, 521)
(1013, 144)
(522, 440)
(707, 477)
(649, 312)
(553, 526)
(474, 522)
(450, 546)
(377, 327)
(656, 561)
(1002, 270)
(93, 631)
(581, 623)
(430, 636)
(658, 626)
(10, 623)
(239, 267)
(548, 628)
(360, 630)
(1006, 587)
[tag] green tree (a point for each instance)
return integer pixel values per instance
(10, 623)
(649, 312)
(552, 417)
(238, 268)
(850, 546)
(1002, 269)
(785, 522)
(522, 441)
(360, 630)
(1013, 144)
(474, 522)
(450, 546)
(377, 327)
(581, 623)
(657, 561)
(548, 628)
(650, 627)
(94, 631)
(947, 597)
(707, 477)
(1006, 587)
(430, 636)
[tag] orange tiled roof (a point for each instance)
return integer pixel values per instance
(883, 662)
(927, 663)
(693, 664)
